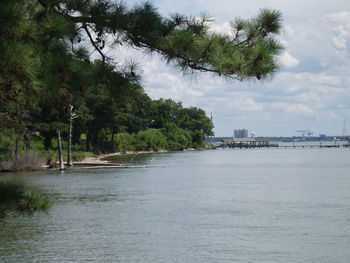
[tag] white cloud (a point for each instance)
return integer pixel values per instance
(299, 109)
(288, 60)
(341, 17)
(341, 39)
(244, 105)
(333, 115)
(224, 28)
(323, 79)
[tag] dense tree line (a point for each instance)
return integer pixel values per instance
(54, 56)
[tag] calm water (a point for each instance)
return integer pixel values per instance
(262, 205)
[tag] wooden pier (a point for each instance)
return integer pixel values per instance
(260, 143)
(316, 146)
(247, 143)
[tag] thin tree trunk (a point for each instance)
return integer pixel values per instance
(87, 142)
(26, 140)
(16, 148)
(61, 167)
(16, 140)
(112, 147)
(69, 156)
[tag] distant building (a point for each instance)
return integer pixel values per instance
(241, 133)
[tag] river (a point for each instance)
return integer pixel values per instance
(242, 205)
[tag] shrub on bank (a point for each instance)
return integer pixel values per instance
(26, 161)
(171, 137)
(151, 139)
(178, 139)
(15, 198)
(6, 143)
(125, 142)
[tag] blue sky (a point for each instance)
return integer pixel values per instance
(311, 91)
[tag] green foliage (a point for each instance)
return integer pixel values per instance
(125, 142)
(32, 202)
(77, 155)
(178, 139)
(80, 155)
(195, 120)
(249, 52)
(151, 139)
(15, 198)
(6, 144)
(197, 139)
(163, 111)
(47, 51)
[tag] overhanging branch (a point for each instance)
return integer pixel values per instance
(93, 42)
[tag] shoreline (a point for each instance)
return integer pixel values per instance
(102, 157)
(107, 155)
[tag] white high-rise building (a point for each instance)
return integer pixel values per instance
(241, 133)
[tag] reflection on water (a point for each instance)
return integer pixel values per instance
(250, 205)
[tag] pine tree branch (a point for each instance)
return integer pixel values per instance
(85, 27)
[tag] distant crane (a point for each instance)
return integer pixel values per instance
(308, 133)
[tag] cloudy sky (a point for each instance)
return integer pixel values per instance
(311, 91)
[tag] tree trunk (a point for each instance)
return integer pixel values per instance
(112, 144)
(26, 140)
(16, 149)
(69, 156)
(59, 143)
(16, 140)
(47, 140)
(87, 142)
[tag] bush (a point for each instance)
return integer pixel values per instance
(15, 198)
(27, 161)
(170, 138)
(152, 139)
(125, 142)
(178, 139)
(197, 139)
(7, 140)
